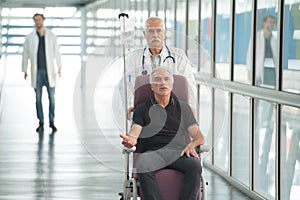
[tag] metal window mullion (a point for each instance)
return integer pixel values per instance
(83, 46)
(230, 94)
(280, 36)
(213, 55)
(187, 8)
(254, 20)
(199, 35)
(199, 59)
(175, 20)
(149, 8)
(157, 7)
(277, 152)
(165, 11)
(213, 36)
(252, 100)
(230, 105)
(232, 31)
(213, 125)
(251, 144)
(135, 6)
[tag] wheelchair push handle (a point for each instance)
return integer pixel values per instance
(204, 148)
(129, 150)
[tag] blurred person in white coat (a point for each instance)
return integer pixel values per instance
(266, 53)
(265, 75)
(42, 49)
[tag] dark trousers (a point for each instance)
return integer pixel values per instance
(269, 76)
(42, 80)
(190, 166)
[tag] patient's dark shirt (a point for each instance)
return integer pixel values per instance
(163, 126)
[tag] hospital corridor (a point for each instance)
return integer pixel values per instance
(247, 96)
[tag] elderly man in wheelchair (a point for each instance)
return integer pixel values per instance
(159, 131)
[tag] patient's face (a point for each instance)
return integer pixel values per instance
(162, 82)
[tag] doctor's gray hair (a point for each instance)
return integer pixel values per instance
(147, 22)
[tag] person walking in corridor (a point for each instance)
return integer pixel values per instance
(42, 49)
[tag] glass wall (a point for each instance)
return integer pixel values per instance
(181, 24)
(139, 20)
(264, 148)
(205, 36)
(290, 165)
(222, 39)
(170, 23)
(241, 138)
(205, 115)
(220, 134)
(152, 6)
(145, 13)
(161, 9)
(193, 30)
(291, 59)
(242, 35)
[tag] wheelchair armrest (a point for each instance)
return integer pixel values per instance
(128, 150)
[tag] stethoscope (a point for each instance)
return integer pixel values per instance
(144, 72)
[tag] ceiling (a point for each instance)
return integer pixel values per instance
(45, 3)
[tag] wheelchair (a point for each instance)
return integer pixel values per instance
(131, 188)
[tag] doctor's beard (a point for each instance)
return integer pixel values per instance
(155, 43)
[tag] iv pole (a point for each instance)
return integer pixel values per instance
(129, 186)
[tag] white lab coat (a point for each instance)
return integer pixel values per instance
(182, 66)
(260, 55)
(30, 49)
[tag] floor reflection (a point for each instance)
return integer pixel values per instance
(44, 168)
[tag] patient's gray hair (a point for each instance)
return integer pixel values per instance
(153, 73)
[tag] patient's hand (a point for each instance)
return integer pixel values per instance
(190, 150)
(128, 141)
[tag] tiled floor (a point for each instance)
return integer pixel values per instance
(82, 160)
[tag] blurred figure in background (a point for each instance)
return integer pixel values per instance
(265, 76)
(42, 49)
